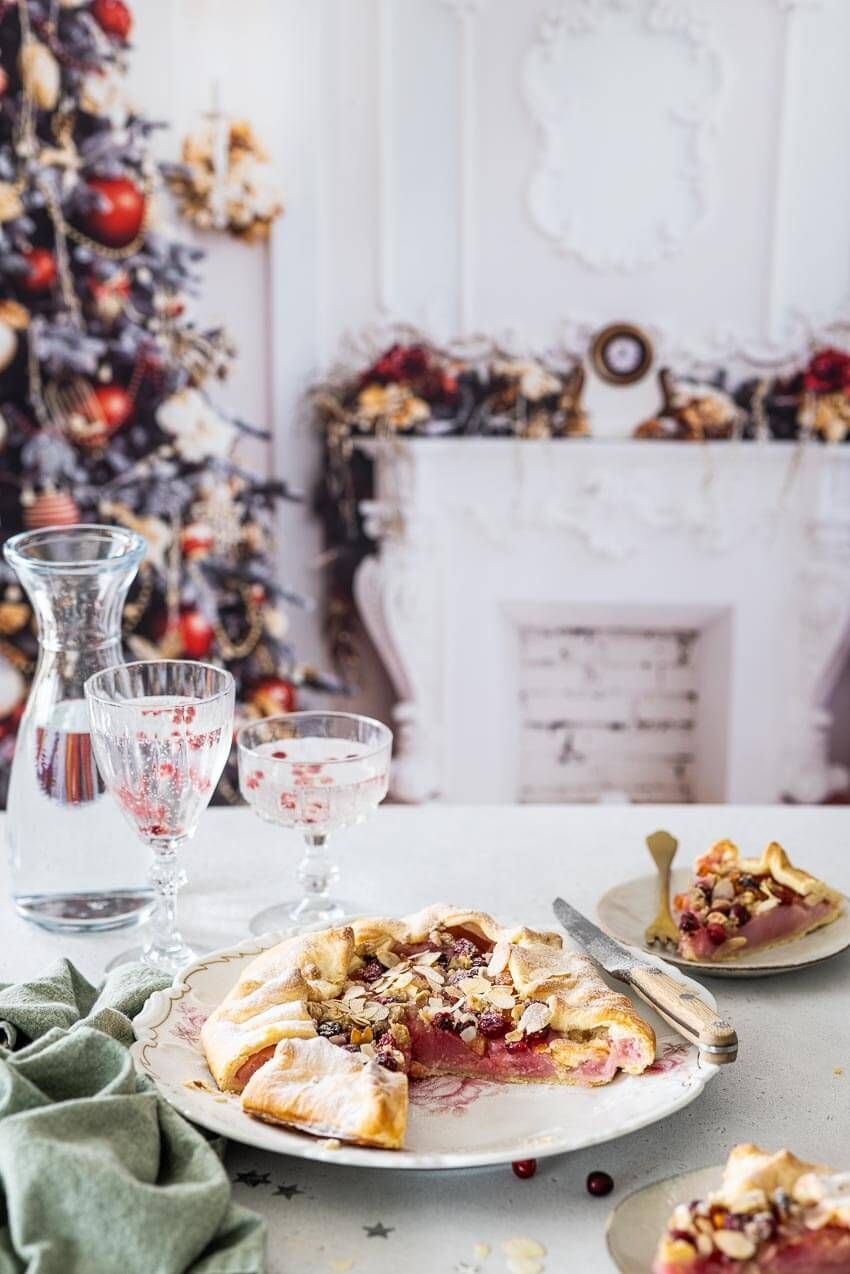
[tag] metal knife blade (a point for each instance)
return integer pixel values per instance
(614, 959)
(686, 1012)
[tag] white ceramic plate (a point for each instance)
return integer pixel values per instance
(637, 1223)
(627, 909)
(454, 1123)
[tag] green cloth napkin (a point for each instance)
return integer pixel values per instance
(98, 1174)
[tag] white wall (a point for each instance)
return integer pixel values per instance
(533, 166)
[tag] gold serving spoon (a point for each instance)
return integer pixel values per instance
(664, 930)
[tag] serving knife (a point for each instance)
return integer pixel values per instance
(714, 1036)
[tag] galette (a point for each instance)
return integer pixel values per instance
(773, 1214)
(736, 905)
(323, 1031)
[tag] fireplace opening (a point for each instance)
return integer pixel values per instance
(622, 703)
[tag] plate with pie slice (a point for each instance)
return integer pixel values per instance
(737, 917)
(764, 1212)
(437, 1040)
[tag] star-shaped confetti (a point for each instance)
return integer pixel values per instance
(378, 1231)
(288, 1191)
(252, 1179)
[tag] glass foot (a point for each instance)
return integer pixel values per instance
(304, 913)
(167, 963)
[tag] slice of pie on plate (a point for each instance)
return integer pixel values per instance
(736, 905)
(322, 1031)
(773, 1214)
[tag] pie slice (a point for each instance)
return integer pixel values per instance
(773, 1214)
(735, 905)
(323, 1031)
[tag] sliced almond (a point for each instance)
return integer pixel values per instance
(403, 980)
(499, 958)
(388, 958)
(734, 1244)
(536, 1017)
(500, 997)
(513, 1035)
(517, 1249)
(468, 1034)
(475, 986)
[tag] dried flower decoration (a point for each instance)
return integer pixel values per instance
(225, 180)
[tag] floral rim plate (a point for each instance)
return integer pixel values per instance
(454, 1123)
(626, 910)
(639, 1220)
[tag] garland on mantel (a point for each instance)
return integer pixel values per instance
(416, 388)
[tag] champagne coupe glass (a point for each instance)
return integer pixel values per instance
(161, 733)
(317, 771)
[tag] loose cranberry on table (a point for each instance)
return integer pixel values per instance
(524, 1168)
(599, 1183)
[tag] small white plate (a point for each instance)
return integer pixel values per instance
(626, 910)
(638, 1221)
(453, 1123)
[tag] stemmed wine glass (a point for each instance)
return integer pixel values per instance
(161, 733)
(317, 771)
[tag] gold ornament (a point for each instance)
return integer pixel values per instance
(40, 74)
(10, 202)
(8, 344)
(13, 617)
(393, 406)
(157, 534)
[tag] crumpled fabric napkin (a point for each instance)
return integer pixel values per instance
(98, 1174)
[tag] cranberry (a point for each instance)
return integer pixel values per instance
(387, 1061)
(516, 1046)
(537, 1037)
(331, 1028)
(524, 1168)
(683, 1236)
(462, 948)
(688, 922)
(457, 975)
(734, 1221)
(716, 934)
(492, 1024)
(371, 971)
(444, 1022)
(599, 1183)
(739, 912)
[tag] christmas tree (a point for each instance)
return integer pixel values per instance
(105, 411)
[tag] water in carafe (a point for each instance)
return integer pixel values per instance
(74, 862)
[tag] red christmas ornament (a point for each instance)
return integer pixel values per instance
(108, 408)
(41, 271)
(196, 539)
(51, 508)
(113, 17)
(196, 633)
(274, 695)
(118, 222)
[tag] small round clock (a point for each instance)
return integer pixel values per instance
(621, 354)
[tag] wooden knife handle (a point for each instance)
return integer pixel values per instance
(687, 1013)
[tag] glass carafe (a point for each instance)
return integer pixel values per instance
(73, 864)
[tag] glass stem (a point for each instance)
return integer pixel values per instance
(316, 872)
(166, 877)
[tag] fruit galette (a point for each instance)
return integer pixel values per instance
(322, 1031)
(773, 1214)
(737, 905)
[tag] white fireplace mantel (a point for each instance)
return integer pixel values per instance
(474, 534)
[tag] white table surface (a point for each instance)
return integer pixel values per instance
(785, 1089)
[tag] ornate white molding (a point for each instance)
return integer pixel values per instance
(620, 230)
(466, 12)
